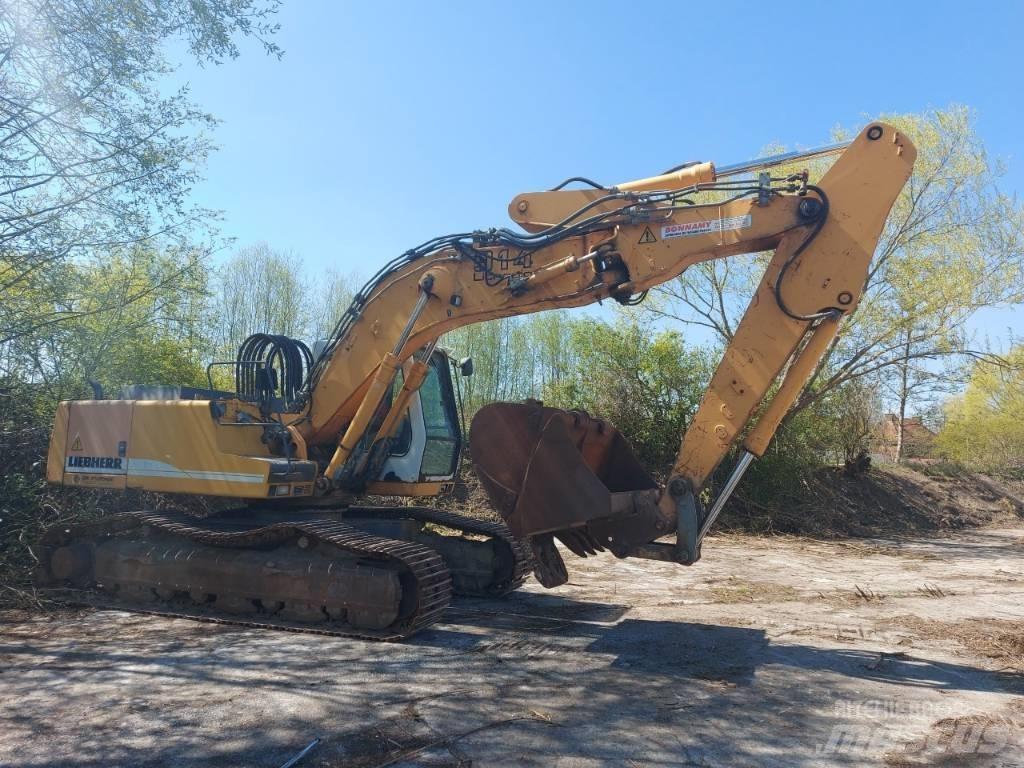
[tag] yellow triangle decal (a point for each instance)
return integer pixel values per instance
(77, 445)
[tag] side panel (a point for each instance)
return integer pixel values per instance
(178, 447)
(169, 446)
(58, 443)
(96, 443)
(175, 449)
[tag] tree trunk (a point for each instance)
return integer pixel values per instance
(904, 395)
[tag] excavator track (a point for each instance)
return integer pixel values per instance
(492, 567)
(514, 561)
(413, 575)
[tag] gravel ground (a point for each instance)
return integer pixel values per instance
(770, 652)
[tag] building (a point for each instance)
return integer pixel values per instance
(917, 438)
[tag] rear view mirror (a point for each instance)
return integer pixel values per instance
(466, 366)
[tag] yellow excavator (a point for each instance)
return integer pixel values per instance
(307, 435)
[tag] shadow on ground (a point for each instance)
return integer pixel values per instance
(165, 692)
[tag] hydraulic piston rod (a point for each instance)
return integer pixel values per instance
(382, 381)
(730, 486)
(786, 157)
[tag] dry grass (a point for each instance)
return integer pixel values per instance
(735, 590)
(856, 596)
(1001, 640)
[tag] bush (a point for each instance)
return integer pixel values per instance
(647, 383)
(984, 428)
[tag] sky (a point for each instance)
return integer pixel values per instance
(386, 124)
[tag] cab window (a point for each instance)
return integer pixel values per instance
(440, 417)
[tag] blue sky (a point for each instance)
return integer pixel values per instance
(386, 124)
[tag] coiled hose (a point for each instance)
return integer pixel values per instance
(270, 365)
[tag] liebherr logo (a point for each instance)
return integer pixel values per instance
(94, 462)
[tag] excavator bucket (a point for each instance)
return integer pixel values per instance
(563, 474)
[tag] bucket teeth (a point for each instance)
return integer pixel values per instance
(548, 565)
(580, 542)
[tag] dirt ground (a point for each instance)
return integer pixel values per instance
(889, 500)
(769, 652)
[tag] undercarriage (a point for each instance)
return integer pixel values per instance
(375, 573)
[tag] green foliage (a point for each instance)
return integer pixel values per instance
(647, 382)
(984, 427)
(96, 155)
(132, 317)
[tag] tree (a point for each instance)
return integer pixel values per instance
(555, 353)
(331, 294)
(260, 290)
(984, 428)
(919, 380)
(846, 419)
(646, 382)
(133, 317)
(502, 352)
(93, 157)
(952, 245)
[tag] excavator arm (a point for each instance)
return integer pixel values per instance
(588, 245)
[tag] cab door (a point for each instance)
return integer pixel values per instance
(428, 443)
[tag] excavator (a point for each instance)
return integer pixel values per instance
(306, 440)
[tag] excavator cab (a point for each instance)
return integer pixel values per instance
(423, 456)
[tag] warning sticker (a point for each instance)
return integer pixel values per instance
(694, 228)
(647, 237)
(77, 445)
